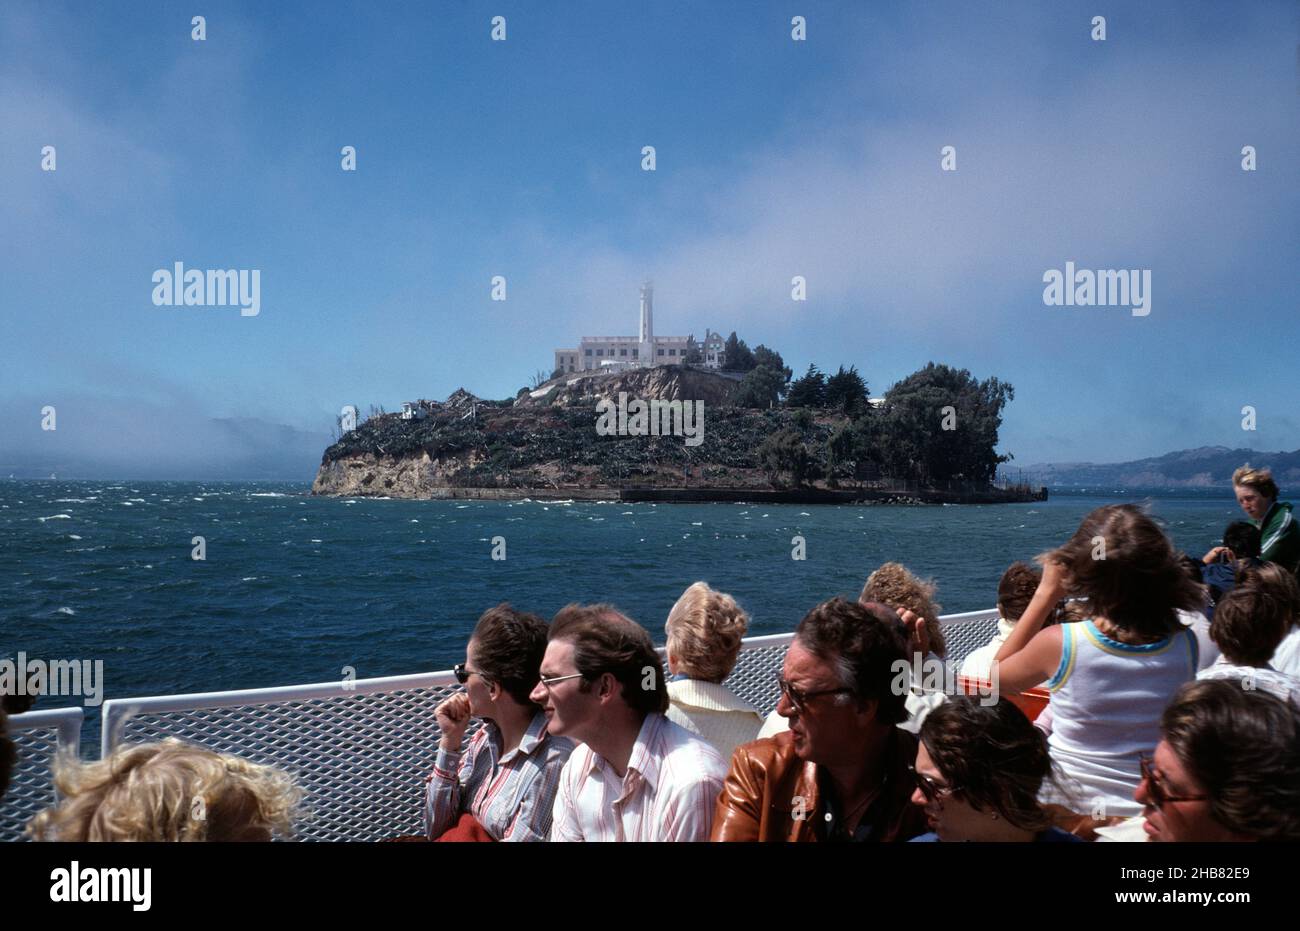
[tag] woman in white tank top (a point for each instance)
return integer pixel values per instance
(1112, 675)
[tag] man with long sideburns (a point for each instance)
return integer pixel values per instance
(636, 776)
(841, 772)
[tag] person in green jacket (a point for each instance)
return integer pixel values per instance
(1279, 533)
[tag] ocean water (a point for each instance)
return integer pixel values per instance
(294, 588)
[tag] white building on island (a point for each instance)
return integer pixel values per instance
(616, 353)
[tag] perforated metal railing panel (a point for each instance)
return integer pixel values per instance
(37, 736)
(361, 756)
(754, 676)
(965, 633)
(360, 759)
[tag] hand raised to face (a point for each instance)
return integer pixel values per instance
(453, 718)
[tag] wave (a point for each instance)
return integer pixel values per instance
(55, 517)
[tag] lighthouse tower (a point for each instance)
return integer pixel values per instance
(647, 337)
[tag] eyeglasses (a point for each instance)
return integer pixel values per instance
(548, 681)
(929, 788)
(462, 674)
(1156, 789)
(799, 699)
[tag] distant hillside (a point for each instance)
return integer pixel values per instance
(1204, 467)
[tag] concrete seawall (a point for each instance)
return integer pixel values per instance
(705, 495)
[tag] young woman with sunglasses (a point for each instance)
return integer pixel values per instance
(502, 786)
(978, 772)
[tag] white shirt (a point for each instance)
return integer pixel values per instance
(1264, 678)
(1286, 658)
(1208, 650)
(667, 793)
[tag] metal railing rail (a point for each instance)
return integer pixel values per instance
(38, 736)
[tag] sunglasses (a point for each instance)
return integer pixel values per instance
(1156, 789)
(462, 674)
(929, 788)
(799, 699)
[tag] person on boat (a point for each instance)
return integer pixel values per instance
(1248, 627)
(167, 791)
(636, 776)
(979, 769)
(502, 786)
(840, 773)
(1241, 541)
(705, 629)
(1279, 534)
(1015, 590)
(912, 599)
(1111, 675)
(1224, 769)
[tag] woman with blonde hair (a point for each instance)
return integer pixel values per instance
(705, 628)
(167, 791)
(893, 584)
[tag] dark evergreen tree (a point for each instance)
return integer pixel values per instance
(940, 423)
(808, 391)
(846, 391)
(736, 355)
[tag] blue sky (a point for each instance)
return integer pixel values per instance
(522, 158)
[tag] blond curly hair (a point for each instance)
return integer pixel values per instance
(167, 791)
(705, 628)
(893, 585)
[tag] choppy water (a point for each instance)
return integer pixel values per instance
(295, 588)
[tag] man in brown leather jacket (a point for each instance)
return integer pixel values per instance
(841, 773)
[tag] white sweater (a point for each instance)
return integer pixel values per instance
(714, 713)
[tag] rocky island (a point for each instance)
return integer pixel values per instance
(545, 444)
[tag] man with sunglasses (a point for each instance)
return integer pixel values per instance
(1227, 767)
(636, 776)
(840, 773)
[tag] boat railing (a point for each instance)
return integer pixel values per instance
(38, 736)
(360, 749)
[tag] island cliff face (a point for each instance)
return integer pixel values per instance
(545, 443)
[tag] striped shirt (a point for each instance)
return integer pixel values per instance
(667, 793)
(509, 794)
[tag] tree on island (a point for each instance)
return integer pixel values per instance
(808, 391)
(846, 391)
(736, 355)
(939, 423)
(693, 354)
(784, 452)
(765, 384)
